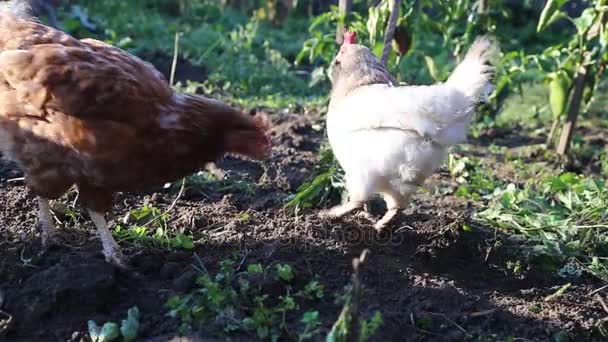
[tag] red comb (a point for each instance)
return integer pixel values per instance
(350, 37)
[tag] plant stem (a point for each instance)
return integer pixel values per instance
(575, 104)
(344, 6)
(390, 30)
(174, 62)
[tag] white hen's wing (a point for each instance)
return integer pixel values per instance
(438, 112)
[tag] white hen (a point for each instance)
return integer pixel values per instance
(390, 138)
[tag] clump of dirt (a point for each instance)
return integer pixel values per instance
(430, 279)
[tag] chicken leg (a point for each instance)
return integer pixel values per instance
(111, 250)
(46, 221)
(366, 213)
(394, 203)
(341, 210)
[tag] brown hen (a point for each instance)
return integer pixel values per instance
(86, 113)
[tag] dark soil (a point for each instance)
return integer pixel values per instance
(428, 269)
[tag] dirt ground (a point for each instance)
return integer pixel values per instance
(428, 266)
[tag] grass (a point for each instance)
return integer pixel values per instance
(325, 187)
(204, 183)
(246, 59)
(148, 227)
(476, 180)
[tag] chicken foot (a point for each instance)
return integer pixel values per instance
(111, 250)
(389, 216)
(394, 203)
(366, 213)
(341, 210)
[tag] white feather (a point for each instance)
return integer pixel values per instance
(389, 139)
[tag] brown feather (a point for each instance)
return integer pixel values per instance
(86, 113)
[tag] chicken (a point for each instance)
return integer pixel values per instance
(390, 138)
(84, 113)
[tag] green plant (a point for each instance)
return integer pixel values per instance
(235, 300)
(563, 217)
(244, 58)
(111, 331)
(148, 226)
(350, 326)
(583, 59)
(312, 324)
(204, 182)
(327, 186)
(476, 181)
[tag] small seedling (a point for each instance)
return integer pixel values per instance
(285, 272)
(535, 308)
(107, 333)
(111, 331)
(236, 301)
(148, 226)
(312, 323)
(312, 290)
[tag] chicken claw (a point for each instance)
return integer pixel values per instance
(111, 250)
(366, 214)
(386, 219)
(340, 210)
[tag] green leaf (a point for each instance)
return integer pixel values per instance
(130, 326)
(94, 330)
(287, 303)
(550, 14)
(184, 241)
(368, 328)
(584, 22)
(255, 269)
(285, 272)
(310, 317)
(430, 64)
(109, 332)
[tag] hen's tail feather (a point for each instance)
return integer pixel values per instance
(473, 75)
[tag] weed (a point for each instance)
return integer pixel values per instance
(350, 326)
(563, 217)
(325, 187)
(560, 292)
(204, 182)
(147, 226)
(475, 180)
(238, 301)
(535, 308)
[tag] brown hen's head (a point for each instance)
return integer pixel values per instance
(356, 65)
(251, 140)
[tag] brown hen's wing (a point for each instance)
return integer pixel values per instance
(50, 70)
(93, 81)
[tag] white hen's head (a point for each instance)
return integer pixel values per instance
(354, 66)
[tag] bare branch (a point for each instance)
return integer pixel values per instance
(390, 30)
